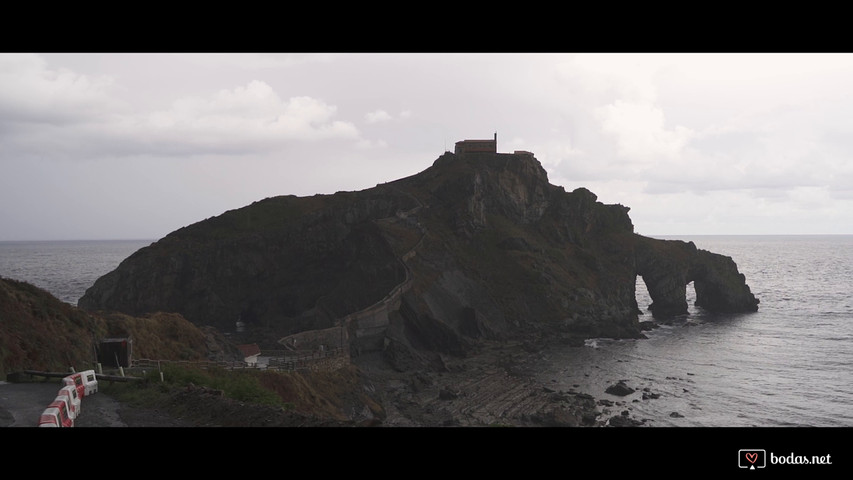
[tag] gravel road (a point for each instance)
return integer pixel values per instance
(22, 403)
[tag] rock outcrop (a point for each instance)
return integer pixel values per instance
(667, 266)
(478, 246)
(281, 265)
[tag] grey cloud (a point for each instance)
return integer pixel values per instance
(202, 133)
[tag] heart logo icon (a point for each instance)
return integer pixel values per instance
(752, 457)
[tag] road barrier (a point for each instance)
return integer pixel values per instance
(57, 414)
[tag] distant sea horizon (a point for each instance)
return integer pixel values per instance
(65, 268)
(653, 235)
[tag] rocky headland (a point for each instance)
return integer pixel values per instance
(439, 286)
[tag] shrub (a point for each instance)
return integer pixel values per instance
(244, 386)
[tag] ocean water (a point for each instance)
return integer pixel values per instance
(789, 364)
(64, 268)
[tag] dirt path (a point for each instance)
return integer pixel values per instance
(21, 404)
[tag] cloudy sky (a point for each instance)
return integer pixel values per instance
(134, 146)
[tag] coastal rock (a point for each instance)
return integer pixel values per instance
(475, 248)
(623, 421)
(560, 417)
(720, 287)
(620, 389)
(668, 266)
(650, 396)
(447, 394)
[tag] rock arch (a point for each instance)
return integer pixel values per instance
(668, 266)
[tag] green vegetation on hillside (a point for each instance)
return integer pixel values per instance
(40, 332)
(245, 398)
(244, 386)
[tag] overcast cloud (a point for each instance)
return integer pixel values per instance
(111, 146)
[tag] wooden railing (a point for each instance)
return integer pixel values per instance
(278, 360)
(148, 363)
(326, 359)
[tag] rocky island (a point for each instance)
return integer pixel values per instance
(437, 286)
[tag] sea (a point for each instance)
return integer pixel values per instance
(788, 365)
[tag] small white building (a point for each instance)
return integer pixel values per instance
(250, 353)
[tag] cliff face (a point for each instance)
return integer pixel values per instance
(285, 264)
(476, 246)
(506, 252)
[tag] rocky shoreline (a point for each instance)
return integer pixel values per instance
(495, 387)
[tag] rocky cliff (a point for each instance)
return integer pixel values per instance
(477, 246)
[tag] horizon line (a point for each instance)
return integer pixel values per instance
(652, 235)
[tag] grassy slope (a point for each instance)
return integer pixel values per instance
(39, 332)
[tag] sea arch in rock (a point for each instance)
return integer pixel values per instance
(668, 266)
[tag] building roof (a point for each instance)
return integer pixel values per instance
(116, 339)
(249, 349)
(477, 146)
